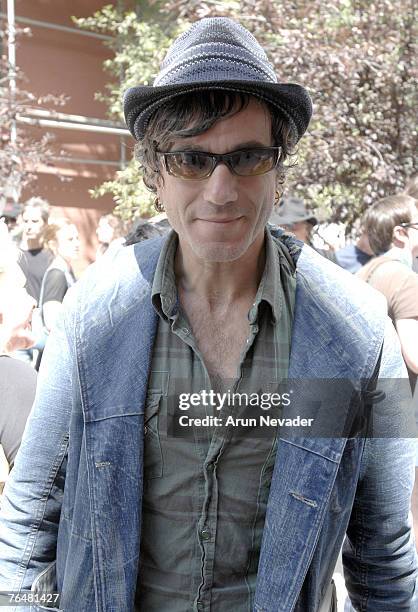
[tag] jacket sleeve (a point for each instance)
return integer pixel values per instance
(379, 558)
(31, 505)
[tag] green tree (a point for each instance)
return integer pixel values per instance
(357, 59)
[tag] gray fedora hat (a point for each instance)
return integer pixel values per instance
(216, 53)
(291, 210)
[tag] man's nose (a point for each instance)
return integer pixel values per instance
(221, 186)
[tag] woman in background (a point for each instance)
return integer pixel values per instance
(17, 378)
(111, 231)
(61, 237)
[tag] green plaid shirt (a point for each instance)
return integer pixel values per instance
(205, 497)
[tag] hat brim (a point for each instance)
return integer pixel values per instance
(290, 99)
(277, 220)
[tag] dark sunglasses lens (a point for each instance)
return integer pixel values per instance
(253, 161)
(189, 164)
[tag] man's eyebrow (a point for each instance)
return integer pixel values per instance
(250, 144)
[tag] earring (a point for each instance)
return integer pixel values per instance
(158, 206)
(277, 198)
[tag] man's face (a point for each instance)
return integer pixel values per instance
(33, 224)
(220, 217)
(105, 232)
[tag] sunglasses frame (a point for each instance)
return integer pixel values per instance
(217, 158)
(410, 225)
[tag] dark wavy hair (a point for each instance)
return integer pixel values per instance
(192, 114)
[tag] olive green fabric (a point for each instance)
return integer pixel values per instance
(205, 495)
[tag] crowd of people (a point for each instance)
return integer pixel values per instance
(37, 254)
(234, 296)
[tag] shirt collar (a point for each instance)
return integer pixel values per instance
(269, 290)
(164, 291)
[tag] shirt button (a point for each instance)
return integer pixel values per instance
(200, 605)
(185, 330)
(205, 534)
(145, 430)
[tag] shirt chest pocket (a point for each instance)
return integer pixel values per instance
(153, 456)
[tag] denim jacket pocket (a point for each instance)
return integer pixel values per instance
(46, 584)
(153, 456)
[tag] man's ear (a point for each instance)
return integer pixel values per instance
(399, 236)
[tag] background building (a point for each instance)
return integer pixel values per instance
(58, 58)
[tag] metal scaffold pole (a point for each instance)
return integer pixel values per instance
(13, 188)
(11, 56)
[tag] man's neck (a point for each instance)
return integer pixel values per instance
(220, 282)
(31, 244)
(401, 254)
(363, 245)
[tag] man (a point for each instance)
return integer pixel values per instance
(392, 227)
(160, 516)
(291, 214)
(35, 258)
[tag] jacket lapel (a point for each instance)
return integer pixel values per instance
(114, 385)
(324, 370)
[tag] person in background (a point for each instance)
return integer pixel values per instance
(353, 256)
(143, 230)
(291, 214)
(10, 213)
(61, 237)
(17, 379)
(392, 227)
(35, 257)
(411, 189)
(111, 232)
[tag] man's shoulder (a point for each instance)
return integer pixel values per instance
(330, 287)
(123, 278)
(390, 270)
(330, 280)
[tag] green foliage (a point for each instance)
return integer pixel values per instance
(357, 59)
(131, 197)
(139, 46)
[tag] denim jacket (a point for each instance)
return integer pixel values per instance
(86, 431)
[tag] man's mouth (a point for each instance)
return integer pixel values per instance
(220, 220)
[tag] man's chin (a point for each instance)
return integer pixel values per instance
(219, 251)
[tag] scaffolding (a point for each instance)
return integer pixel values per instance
(52, 119)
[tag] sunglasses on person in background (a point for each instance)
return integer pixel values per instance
(413, 224)
(198, 165)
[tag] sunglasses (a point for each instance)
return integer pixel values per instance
(413, 225)
(198, 165)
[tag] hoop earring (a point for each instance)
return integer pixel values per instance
(158, 206)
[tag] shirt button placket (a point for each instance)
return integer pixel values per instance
(205, 534)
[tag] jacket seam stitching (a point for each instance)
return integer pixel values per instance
(27, 553)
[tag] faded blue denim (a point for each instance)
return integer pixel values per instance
(86, 431)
